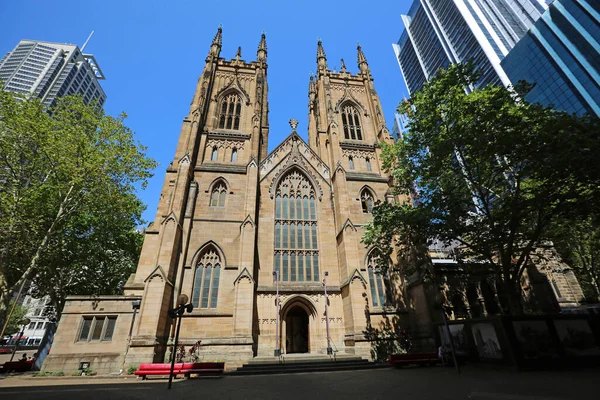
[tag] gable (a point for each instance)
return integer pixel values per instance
(294, 151)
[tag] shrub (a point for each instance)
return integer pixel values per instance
(131, 369)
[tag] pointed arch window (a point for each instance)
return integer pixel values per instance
(217, 195)
(206, 280)
(366, 201)
(296, 255)
(229, 113)
(350, 163)
(378, 281)
(368, 161)
(215, 154)
(351, 122)
(234, 154)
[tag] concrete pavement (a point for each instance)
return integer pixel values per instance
(411, 383)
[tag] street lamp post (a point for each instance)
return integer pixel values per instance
(176, 314)
(329, 349)
(277, 352)
(24, 322)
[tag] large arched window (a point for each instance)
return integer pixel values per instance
(378, 282)
(366, 200)
(296, 255)
(229, 113)
(217, 195)
(351, 122)
(206, 280)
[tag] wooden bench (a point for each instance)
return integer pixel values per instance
(399, 360)
(186, 369)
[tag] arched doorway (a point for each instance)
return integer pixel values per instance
(296, 330)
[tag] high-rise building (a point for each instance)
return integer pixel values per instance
(49, 70)
(400, 126)
(441, 32)
(561, 55)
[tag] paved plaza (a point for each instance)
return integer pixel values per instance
(412, 383)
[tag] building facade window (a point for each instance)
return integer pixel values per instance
(215, 154)
(217, 195)
(368, 161)
(229, 114)
(296, 255)
(350, 163)
(351, 122)
(366, 201)
(97, 328)
(234, 155)
(206, 280)
(378, 281)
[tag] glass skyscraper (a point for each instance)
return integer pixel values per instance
(49, 70)
(561, 55)
(440, 32)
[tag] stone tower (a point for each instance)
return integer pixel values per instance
(202, 240)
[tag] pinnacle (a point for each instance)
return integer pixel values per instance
(361, 55)
(320, 51)
(263, 42)
(218, 39)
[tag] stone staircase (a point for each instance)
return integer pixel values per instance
(297, 363)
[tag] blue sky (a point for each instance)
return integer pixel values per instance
(152, 53)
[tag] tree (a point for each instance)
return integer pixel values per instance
(16, 320)
(578, 242)
(492, 171)
(68, 177)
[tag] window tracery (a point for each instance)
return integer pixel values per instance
(230, 111)
(217, 195)
(351, 122)
(296, 255)
(206, 280)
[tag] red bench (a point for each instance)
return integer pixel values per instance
(16, 366)
(430, 359)
(186, 369)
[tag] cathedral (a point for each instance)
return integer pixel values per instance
(267, 246)
(236, 224)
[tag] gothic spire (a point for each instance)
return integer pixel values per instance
(215, 47)
(218, 39)
(363, 66)
(320, 51)
(343, 66)
(321, 58)
(262, 48)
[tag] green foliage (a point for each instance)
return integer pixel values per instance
(493, 172)
(16, 320)
(49, 373)
(131, 369)
(578, 242)
(68, 182)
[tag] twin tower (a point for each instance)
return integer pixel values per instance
(232, 216)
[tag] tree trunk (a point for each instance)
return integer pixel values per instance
(513, 304)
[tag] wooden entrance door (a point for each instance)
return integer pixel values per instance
(296, 334)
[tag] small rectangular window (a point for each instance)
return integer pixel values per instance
(85, 328)
(110, 328)
(97, 329)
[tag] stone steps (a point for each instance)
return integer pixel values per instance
(305, 363)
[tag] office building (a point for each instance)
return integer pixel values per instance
(49, 70)
(441, 32)
(561, 55)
